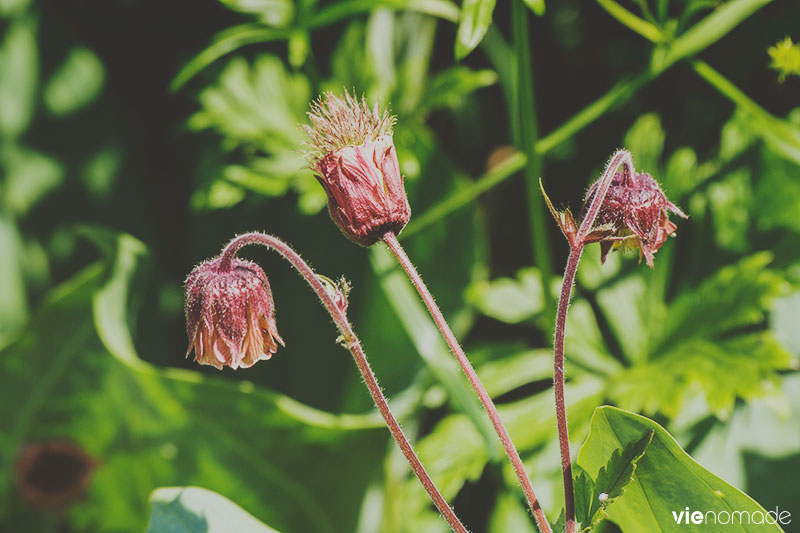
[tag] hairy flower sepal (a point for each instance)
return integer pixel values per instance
(230, 315)
(354, 159)
(569, 227)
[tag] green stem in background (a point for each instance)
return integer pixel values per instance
(519, 468)
(351, 342)
(523, 112)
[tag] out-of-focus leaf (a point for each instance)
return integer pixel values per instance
(509, 300)
(537, 6)
(299, 47)
(76, 83)
(99, 173)
(680, 172)
(30, 176)
(730, 200)
(277, 13)
(476, 17)
(630, 314)
(340, 10)
(511, 371)
(611, 481)
(426, 338)
(510, 515)
(224, 43)
(13, 300)
(666, 477)
(450, 88)
(592, 273)
(9, 8)
(645, 140)
(19, 73)
(197, 510)
(777, 193)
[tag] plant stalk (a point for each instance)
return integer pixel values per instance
(558, 382)
(352, 343)
(396, 248)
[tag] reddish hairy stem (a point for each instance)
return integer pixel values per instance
(391, 241)
(352, 343)
(558, 380)
(620, 157)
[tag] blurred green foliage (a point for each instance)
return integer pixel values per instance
(137, 138)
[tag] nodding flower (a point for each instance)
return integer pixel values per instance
(352, 154)
(638, 211)
(230, 316)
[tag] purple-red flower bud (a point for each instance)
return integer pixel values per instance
(637, 211)
(230, 316)
(354, 159)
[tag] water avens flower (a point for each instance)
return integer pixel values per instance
(353, 156)
(230, 316)
(637, 211)
(53, 473)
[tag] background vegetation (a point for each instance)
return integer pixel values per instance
(136, 138)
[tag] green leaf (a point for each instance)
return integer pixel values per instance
(30, 176)
(13, 299)
(777, 193)
(450, 88)
(197, 510)
(348, 8)
(476, 17)
(510, 515)
(667, 479)
(428, 342)
(224, 43)
(76, 82)
(537, 6)
(645, 140)
(611, 481)
(509, 300)
(19, 72)
(730, 200)
(276, 13)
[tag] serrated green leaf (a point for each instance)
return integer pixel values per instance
(667, 478)
(612, 479)
(509, 300)
(197, 510)
(476, 17)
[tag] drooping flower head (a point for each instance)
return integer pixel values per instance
(230, 316)
(630, 212)
(638, 211)
(353, 156)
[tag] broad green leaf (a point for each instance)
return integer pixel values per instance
(476, 17)
(276, 13)
(509, 300)
(197, 510)
(76, 82)
(612, 479)
(667, 479)
(152, 427)
(9, 8)
(19, 73)
(777, 193)
(512, 371)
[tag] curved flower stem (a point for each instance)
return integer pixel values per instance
(558, 381)
(351, 342)
(391, 241)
